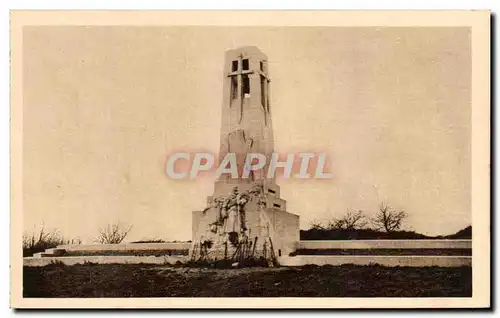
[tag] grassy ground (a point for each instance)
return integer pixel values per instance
(308, 281)
(371, 234)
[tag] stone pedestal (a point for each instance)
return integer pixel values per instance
(246, 217)
(262, 231)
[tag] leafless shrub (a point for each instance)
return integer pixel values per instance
(318, 225)
(35, 242)
(351, 220)
(112, 234)
(388, 219)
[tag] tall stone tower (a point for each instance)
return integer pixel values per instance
(245, 218)
(246, 113)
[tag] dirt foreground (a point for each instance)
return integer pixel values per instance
(117, 280)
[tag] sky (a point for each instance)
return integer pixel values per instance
(104, 106)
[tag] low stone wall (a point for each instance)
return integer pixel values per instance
(284, 260)
(385, 244)
(389, 261)
(73, 260)
(126, 246)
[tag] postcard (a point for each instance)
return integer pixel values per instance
(250, 159)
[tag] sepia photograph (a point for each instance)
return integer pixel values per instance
(250, 159)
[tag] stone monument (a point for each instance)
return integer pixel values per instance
(245, 217)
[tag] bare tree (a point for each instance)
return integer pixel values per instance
(351, 220)
(113, 234)
(388, 219)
